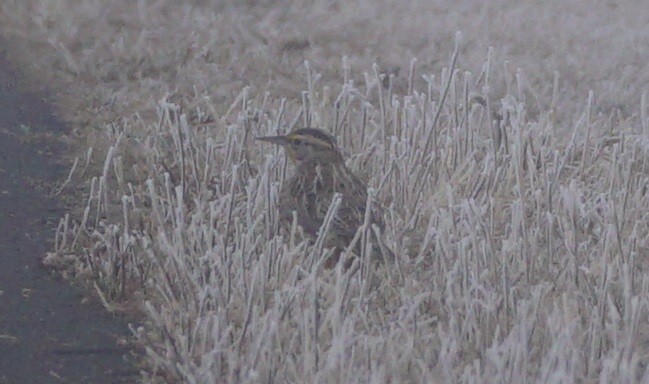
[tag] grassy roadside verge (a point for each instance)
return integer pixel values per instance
(520, 245)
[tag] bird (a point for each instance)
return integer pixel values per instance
(319, 173)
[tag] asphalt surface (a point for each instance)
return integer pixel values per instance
(48, 332)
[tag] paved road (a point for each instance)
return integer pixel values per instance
(47, 335)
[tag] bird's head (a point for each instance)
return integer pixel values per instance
(307, 144)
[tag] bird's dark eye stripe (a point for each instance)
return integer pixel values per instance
(297, 141)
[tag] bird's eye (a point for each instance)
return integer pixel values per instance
(297, 142)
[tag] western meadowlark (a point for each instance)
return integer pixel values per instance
(320, 172)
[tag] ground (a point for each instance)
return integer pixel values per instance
(50, 331)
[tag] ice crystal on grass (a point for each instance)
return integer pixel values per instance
(515, 197)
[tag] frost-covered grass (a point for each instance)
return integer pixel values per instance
(516, 200)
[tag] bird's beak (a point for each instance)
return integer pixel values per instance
(279, 140)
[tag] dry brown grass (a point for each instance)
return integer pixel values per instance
(522, 246)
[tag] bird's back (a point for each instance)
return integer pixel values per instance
(310, 191)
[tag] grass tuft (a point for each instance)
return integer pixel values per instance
(515, 195)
